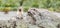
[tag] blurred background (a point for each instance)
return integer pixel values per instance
(12, 5)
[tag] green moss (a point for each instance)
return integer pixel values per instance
(51, 9)
(6, 9)
(26, 9)
(35, 5)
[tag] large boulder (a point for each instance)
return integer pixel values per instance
(34, 18)
(42, 18)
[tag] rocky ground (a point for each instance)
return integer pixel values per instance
(34, 18)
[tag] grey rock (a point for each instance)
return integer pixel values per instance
(44, 18)
(34, 18)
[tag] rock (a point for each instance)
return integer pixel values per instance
(42, 17)
(34, 18)
(21, 24)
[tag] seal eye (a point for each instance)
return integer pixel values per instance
(20, 10)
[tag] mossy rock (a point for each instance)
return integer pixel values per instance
(6, 9)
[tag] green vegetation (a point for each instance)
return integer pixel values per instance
(6, 10)
(52, 5)
(26, 9)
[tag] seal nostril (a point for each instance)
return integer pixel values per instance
(34, 9)
(28, 12)
(20, 10)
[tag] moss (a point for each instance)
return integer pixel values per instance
(51, 9)
(6, 10)
(26, 9)
(35, 5)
